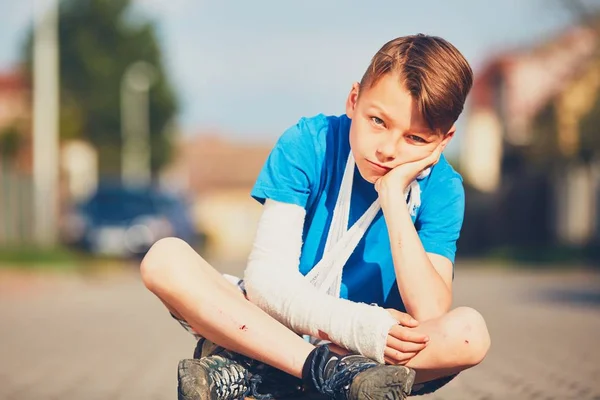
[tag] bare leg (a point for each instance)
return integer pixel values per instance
(457, 340)
(194, 290)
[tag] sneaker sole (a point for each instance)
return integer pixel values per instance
(192, 382)
(383, 382)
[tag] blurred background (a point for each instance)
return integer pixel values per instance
(124, 121)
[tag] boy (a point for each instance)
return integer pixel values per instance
(368, 192)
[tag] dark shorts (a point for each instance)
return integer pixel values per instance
(429, 387)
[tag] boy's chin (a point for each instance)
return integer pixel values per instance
(368, 177)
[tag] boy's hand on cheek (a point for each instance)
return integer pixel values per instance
(391, 186)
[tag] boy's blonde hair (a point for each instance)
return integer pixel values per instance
(434, 72)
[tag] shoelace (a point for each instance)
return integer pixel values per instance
(343, 374)
(235, 383)
(230, 381)
(256, 380)
(259, 372)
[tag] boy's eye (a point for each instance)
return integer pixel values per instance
(417, 139)
(377, 121)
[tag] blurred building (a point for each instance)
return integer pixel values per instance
(220, 175)
(15, 120)
(15, 159)
(531, 154)
(78, 162)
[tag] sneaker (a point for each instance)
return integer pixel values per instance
(354, 377)
(239, 371)
(215, 378)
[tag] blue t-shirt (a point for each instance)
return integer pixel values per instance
(306, 167)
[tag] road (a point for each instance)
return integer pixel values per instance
(103, 336)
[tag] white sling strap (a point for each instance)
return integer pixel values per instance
(326, 276)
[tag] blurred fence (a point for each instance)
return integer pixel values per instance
(16, 216)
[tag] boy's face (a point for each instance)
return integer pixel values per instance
(387, 129)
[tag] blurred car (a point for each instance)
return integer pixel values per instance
(118, 221)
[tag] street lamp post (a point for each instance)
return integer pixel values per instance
(135, 124)
(45, 122)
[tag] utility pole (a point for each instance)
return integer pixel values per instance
(135, 124)
(45, 122)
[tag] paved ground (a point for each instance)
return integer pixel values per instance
(105, 337)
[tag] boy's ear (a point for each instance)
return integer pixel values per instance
(448, 136)
(352, 100)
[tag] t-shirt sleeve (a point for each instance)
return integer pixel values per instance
(441, 217)
(290, 171)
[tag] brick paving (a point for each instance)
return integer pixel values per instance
(106, 337)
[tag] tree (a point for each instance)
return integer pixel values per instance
(98, 40)
(11, 140)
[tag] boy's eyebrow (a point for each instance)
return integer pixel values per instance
(383, 113)
(426, 131)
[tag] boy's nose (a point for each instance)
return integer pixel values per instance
(387, 151)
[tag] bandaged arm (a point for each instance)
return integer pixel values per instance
(274, 283)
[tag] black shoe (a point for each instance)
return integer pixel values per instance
(355, 377)
(275, 382)
(215, 378)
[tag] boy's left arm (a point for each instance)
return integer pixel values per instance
(424, 279)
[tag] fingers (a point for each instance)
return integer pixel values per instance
(433, 158)
(405, 347)
(391, 361)
(407, 334)
(392, 356)
(403, 319)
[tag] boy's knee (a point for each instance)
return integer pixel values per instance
(160, 265)
(470, 327)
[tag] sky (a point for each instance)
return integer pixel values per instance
(250, 69)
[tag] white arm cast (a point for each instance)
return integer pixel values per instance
(274, 283)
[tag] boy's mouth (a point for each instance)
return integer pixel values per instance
(378, 167)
